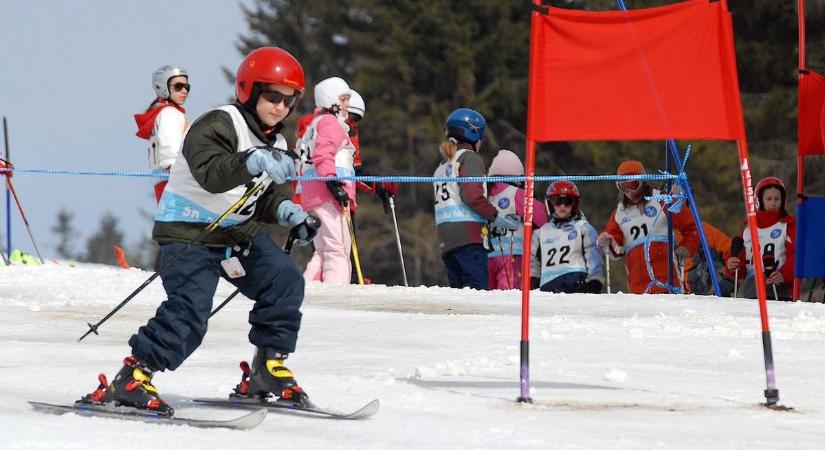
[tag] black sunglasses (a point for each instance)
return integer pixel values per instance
(181, 86)
(562, 200)
(278, 97)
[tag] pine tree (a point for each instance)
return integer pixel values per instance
(66, 233)
(100, 246)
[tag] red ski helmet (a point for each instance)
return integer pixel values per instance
(770, 182)
(270, 65)
(562, 188)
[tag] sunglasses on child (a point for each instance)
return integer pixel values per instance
(278, 97)
(181, 86)
(562, 200)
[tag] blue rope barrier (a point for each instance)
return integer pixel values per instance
(662, 176)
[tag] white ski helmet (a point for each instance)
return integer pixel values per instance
(356, 104)
(160, 79)
(328, 92)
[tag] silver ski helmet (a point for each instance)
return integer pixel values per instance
(160, 79)
(356, 104)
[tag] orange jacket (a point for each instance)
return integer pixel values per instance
(718, 242)
(637, 277)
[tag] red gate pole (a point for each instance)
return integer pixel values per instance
(771, 392)
(526, 259)
(800, 160)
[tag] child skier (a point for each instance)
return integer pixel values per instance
(462, 209)
(226, 151)
(164, 122)
(565, 254)
(629, 225)
(777, 230)
(504, 259)
(325, 149)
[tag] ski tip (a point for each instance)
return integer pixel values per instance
(252, 419)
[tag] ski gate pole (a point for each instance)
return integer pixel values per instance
(25, 220)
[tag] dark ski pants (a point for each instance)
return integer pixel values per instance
(467, 266)
(179, 325)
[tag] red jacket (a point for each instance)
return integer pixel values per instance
(766, 219)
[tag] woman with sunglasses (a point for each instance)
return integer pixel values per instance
(462, 210)
(325, 150)
(565, 255)
(227, 151)
(164, 121)
(633, 220)
(504, 259)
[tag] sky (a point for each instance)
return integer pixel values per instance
(606, 371)
(72, 74)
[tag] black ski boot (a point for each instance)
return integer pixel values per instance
(268, 378)
(131, 387)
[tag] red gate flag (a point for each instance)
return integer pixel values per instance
(811, 114)
(645, 74)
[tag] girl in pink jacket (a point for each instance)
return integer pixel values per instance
(325, 150)
(504, 259)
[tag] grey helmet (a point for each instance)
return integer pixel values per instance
(160, 79)
(356, 103)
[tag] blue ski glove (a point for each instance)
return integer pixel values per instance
(502, 224)
(274, 163)
(290, 215)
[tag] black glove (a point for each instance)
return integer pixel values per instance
(338, 192)
(303, 233)
(591, 287)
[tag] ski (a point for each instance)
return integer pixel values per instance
(306, 409)
(245, 422)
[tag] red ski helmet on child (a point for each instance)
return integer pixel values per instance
(269, 65)
(769, 182)
(562, 188)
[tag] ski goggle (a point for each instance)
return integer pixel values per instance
(629, 186)
(177, 87)
(278, 97)
(558, 200)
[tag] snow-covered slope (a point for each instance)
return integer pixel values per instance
(607, 371)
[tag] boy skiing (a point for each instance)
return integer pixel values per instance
(226, 152)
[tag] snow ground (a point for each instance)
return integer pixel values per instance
(607, 371)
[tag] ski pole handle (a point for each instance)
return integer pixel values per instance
(311, 221)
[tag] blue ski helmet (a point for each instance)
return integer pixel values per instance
(465, 124)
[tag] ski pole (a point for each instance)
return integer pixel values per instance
(208, 229)
(354, 246)
(6, 258)
(607, 269)
(398, 239)
(23, 216)
(506, 271)
(312, 222)
(736, 283)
